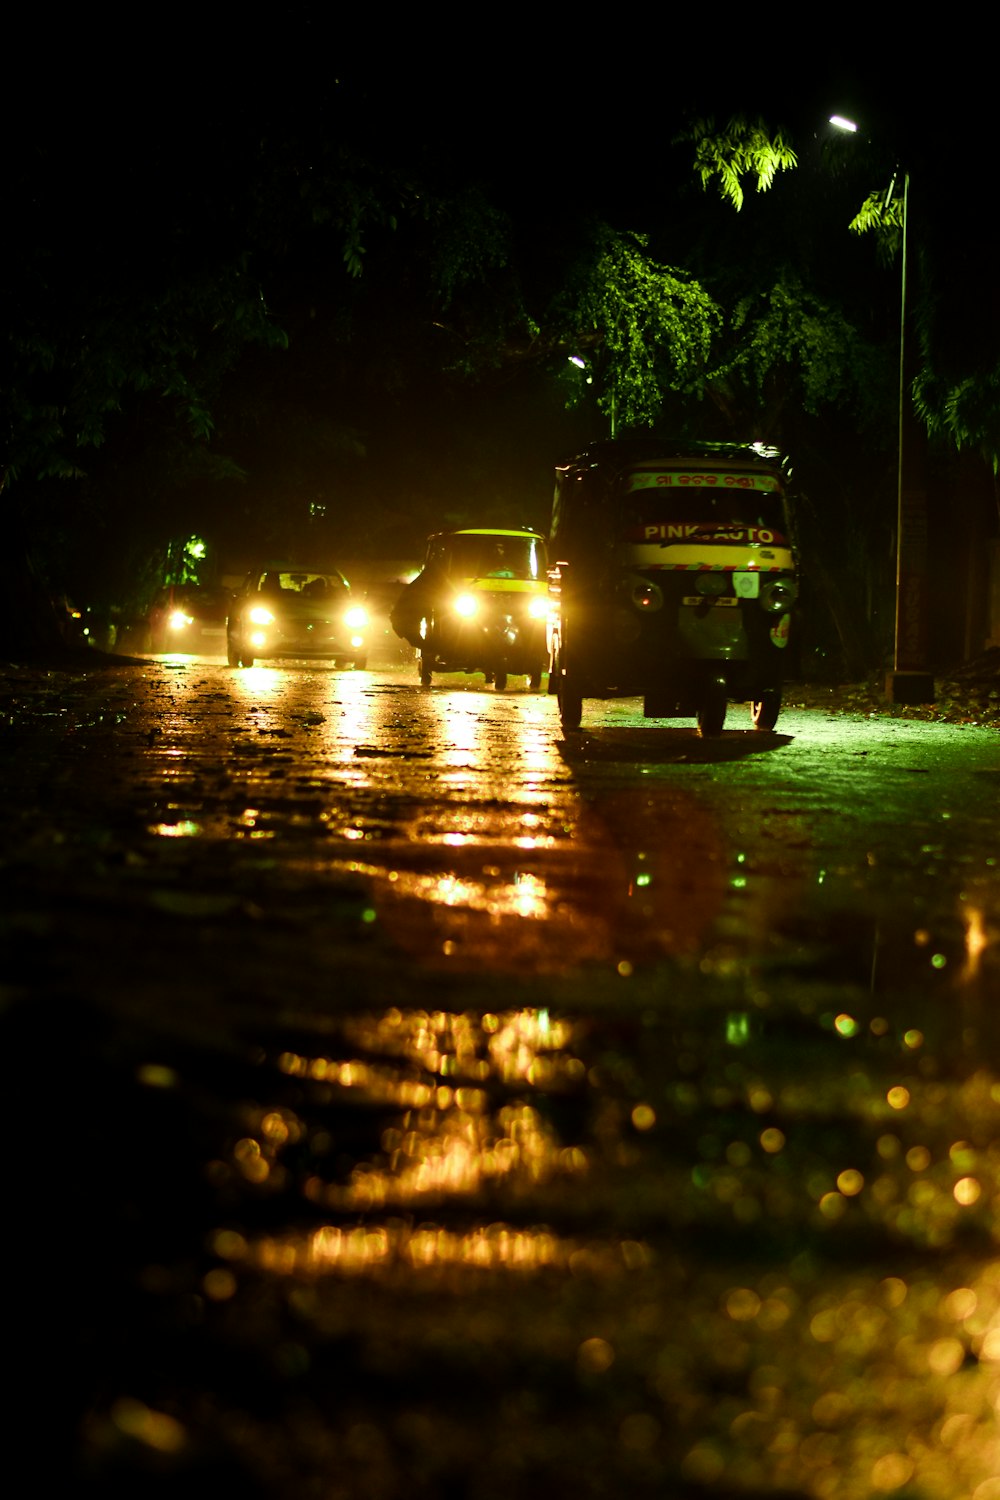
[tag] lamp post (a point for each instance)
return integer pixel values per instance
(581, 364)
(909, 681)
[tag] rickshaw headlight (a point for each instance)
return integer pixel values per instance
(778, 595)
(711, 585)
(466, 605)
(646, 597)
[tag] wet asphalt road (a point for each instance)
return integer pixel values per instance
(461, 1109)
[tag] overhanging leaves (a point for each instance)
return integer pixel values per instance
(742, 148)
(882, 214)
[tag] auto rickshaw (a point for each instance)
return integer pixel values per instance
(673, 578)
(479, 604)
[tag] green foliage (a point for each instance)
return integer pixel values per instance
(799, 338)
(742, 148)
(464, 287)
(882, 214)
(470, 241)
(790, 341)
(66, 375)
(965, 411)
(956, 388)
(334, 188)
(156, 288)
(653, 323)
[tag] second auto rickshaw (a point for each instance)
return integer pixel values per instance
(674, 576)
(479, 604)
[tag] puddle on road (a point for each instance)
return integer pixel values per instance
(758, 1254)
(629, 882)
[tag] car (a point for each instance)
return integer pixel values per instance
(286, 609)
(189, 617)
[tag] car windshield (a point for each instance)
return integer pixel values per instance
(299, 583)
(478, 555)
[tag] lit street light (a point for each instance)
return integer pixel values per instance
(582, 364)
(843, 124)
(909, 681)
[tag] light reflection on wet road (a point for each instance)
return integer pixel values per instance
(648, 1085)
(470, 817)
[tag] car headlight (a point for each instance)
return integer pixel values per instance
(179, 620)
(538, 607)
(261, 616)
(356, 617)
(466, 605)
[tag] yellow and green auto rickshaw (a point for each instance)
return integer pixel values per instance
(479, 604)
(673, 577)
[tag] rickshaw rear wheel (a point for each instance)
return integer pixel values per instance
(500, 681)
(535, 680)
(712, 709)
(424, 662)
(764, 710)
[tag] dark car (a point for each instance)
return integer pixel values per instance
(284, 609)
(186, 617)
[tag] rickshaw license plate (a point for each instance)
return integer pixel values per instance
(725, 602)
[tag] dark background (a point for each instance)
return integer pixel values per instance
(158, 173)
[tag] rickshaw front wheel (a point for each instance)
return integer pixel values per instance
(535, 680)
(764, 710)
(424, 662)
(500, 680)
(712, 709)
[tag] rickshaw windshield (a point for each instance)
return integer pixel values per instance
(707, 506)
(471, 555)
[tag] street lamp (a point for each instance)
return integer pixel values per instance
(909, 681)
(582, 364)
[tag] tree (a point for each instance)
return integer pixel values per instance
(808, 359)
(785, 345)
(955, 387)
(133, 286)
(68, 367)
(652, 324)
